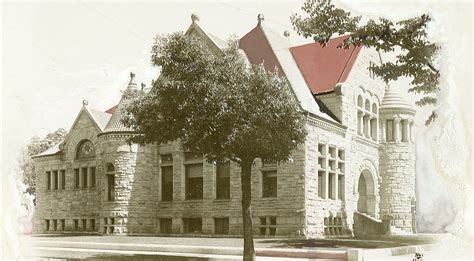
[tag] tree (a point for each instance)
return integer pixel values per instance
(218, 106)
(36, 146)
(416, 54)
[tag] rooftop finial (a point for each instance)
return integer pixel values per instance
(260, 18)
(132, 75)
(195, 17)
(85, 102)
(286, 33)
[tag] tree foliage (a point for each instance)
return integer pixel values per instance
(36, 146)
(416, 54)
(217, 105)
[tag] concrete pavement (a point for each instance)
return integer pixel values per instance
(195, 248)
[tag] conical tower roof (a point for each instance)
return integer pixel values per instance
(394, 101)
(115, 124)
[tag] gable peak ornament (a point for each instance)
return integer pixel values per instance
(260, 18)
(194, 17)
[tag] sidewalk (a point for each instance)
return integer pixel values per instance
(213, 248)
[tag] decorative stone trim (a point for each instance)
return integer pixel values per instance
(398, 111)
(366, 141)
(326, 125)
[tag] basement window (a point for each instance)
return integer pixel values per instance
(192, 225)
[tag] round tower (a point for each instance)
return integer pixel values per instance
(397, 163)
(118, 169)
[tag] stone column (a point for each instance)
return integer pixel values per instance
(366, 126)
(397, 129)
(384, 131)
(411, 137)
(405, 132)
(360, 127)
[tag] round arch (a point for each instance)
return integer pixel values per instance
(366, 189)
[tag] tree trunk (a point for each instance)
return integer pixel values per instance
(245, 177)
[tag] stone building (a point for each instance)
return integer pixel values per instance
(355, 172)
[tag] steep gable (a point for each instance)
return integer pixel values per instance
(324, 67)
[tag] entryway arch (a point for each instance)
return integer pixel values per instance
(366, 190)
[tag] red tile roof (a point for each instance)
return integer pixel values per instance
(324, 67)
(258, 49)
(112, 110)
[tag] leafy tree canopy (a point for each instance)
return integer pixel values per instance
(416, 57)
(36, 146)
(216, 104)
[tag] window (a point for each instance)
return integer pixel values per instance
(63, 179)
(331, 186)
(390, 130)
(194, 181)
(165, 225)
(84, 225)
(48, 180)
(167, 183)
(333, 226)
(76, 178)
(62, 223)
(92, 171)
(166, 159)
(167, 177)
(55, 224)
(85, 149)
(76, 225)
(84, 177)
(192, 225)
(110, 187)
(269, 184)
(221, 225)
(340, 191)
(267, 226)
(223, 181)
(110, 167)
(47, 224)
(92, 224)
(55, 180)
(108, 225)
(321, 184)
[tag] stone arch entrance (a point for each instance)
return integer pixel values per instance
(366, 190)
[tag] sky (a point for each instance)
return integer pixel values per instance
(56, 54)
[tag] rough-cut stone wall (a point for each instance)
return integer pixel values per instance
(287, 207)
(135, 186)
(397, 162)
(70, 203)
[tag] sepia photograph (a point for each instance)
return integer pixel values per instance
(237, 130)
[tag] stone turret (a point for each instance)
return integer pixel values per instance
(118, 169)
(397, 162)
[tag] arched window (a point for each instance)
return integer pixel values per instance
(85, 149)
(367, 105)
(360, 101)
(374, 108)
(110, 167)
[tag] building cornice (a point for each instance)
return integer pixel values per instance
(325, 124)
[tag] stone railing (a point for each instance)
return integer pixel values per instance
(367, 225)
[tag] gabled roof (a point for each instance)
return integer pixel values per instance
(324, 67)
(101, 118)
(216, 43)
(262, 45)
(53, 150)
